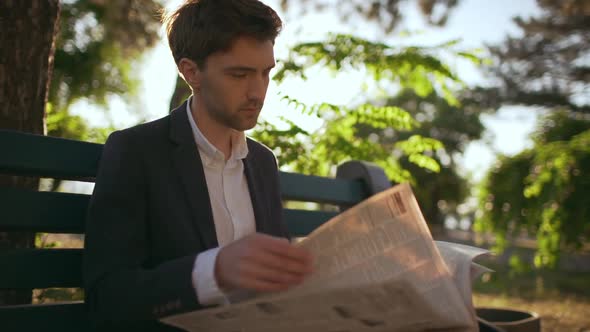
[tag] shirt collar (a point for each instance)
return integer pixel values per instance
(238, 142)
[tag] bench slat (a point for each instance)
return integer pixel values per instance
(318, 189)
(67, 317)
(36, 155)
(47, 212)
(65, 213)
(45, 268)
(41, 268)
(302, 222)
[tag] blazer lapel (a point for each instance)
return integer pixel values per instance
(189, 166)
(255, 182)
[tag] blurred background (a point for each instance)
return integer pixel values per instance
(483, 106)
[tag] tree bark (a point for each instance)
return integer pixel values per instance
(26, 62)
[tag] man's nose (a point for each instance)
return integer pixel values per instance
(257, 88)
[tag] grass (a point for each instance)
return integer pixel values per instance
(563, 313)
(562, 299)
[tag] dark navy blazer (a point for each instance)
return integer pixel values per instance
(150, 216)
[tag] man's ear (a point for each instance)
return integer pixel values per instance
(191, 73)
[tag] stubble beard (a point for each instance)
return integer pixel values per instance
(235, 120)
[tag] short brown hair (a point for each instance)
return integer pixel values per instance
(199, 28)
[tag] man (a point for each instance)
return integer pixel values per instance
(186, 210)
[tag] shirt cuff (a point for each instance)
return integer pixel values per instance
(203, 278)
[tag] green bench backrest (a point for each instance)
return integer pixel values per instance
(51, 212)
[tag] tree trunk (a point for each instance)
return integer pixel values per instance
(26, 61)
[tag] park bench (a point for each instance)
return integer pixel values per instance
(56, 212)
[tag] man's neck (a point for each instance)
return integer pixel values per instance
(216, 133)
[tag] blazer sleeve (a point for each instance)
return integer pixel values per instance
(118, 286)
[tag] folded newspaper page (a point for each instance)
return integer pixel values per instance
(377, 268)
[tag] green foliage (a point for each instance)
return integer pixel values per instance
(353, 132)
(41, 241)
(439, 193)
(62, 124)
(414, 68)
(97, 46)
(318, 152)
(517, 265)
(53, 295)
(543, 190)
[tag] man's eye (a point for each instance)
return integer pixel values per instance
(238, 75)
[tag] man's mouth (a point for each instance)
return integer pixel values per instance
(250, 109)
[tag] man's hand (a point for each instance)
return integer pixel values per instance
(261, 263)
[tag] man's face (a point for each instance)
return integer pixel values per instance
(233, 83)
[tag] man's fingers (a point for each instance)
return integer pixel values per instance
(263, 286)
(281, 263)
(268, 274)
(280, 247)
(263, 263)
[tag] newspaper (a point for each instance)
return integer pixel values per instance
(377, 268)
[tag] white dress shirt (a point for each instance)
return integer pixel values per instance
(233, 214)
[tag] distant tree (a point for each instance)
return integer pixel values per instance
(547, 66)
(97, 48)
(26, 62)
(385, 13)
(542, 191)
(439, 193)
